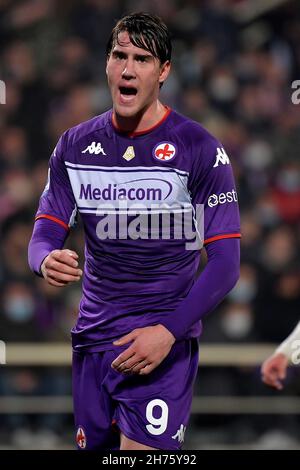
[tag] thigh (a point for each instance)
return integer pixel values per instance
(154, 410)
(129, 444)
(93, 406)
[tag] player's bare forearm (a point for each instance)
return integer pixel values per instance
(60, 268)
(273, 370)
(149, 347)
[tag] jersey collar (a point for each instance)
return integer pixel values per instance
(145, 131)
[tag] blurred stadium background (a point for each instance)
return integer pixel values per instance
(233, 66)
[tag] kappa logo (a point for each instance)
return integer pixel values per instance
(95, 148)
(81, 438)
(180, 434)
(164, 151)
(221, 157)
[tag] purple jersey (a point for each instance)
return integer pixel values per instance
(131, 283)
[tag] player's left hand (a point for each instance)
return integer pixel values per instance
(149, 347)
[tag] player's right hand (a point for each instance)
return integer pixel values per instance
(60, 268)
(273, 370)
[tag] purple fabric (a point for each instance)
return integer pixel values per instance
(102, 395)
(131, 283)
(217, 279)
(46, 237)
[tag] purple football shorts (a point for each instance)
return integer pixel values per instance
(152, 409)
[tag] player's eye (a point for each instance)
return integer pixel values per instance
(118, 55)
(142, 59)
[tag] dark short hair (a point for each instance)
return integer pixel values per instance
(146, 31)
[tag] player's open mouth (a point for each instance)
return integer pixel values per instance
(127, 94)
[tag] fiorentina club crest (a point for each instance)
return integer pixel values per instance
(164, 151)
(81, 438)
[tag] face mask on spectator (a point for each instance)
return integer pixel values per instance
(267, 214)
(289, 180)
(237, 324)
(243, 292)
(19, 308)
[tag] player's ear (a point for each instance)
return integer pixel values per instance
(164, 72)
(107, 59)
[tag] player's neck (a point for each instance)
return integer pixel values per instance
(144, 120)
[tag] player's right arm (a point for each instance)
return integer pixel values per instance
(56, 214)
(60, 268)
(274, 368)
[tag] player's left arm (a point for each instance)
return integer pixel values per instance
(150, 345)
(212, 185)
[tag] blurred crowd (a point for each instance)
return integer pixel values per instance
(231, 74)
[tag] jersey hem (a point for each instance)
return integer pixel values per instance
(98, 348)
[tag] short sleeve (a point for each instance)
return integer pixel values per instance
(213, 189)
(57, 201)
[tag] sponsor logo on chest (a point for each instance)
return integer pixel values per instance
(94, 184)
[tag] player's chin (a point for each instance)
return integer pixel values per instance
(127, 111)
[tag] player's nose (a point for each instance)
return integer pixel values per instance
(128, 71)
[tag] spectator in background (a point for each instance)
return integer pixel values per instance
(274, 368)
(49, 55)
